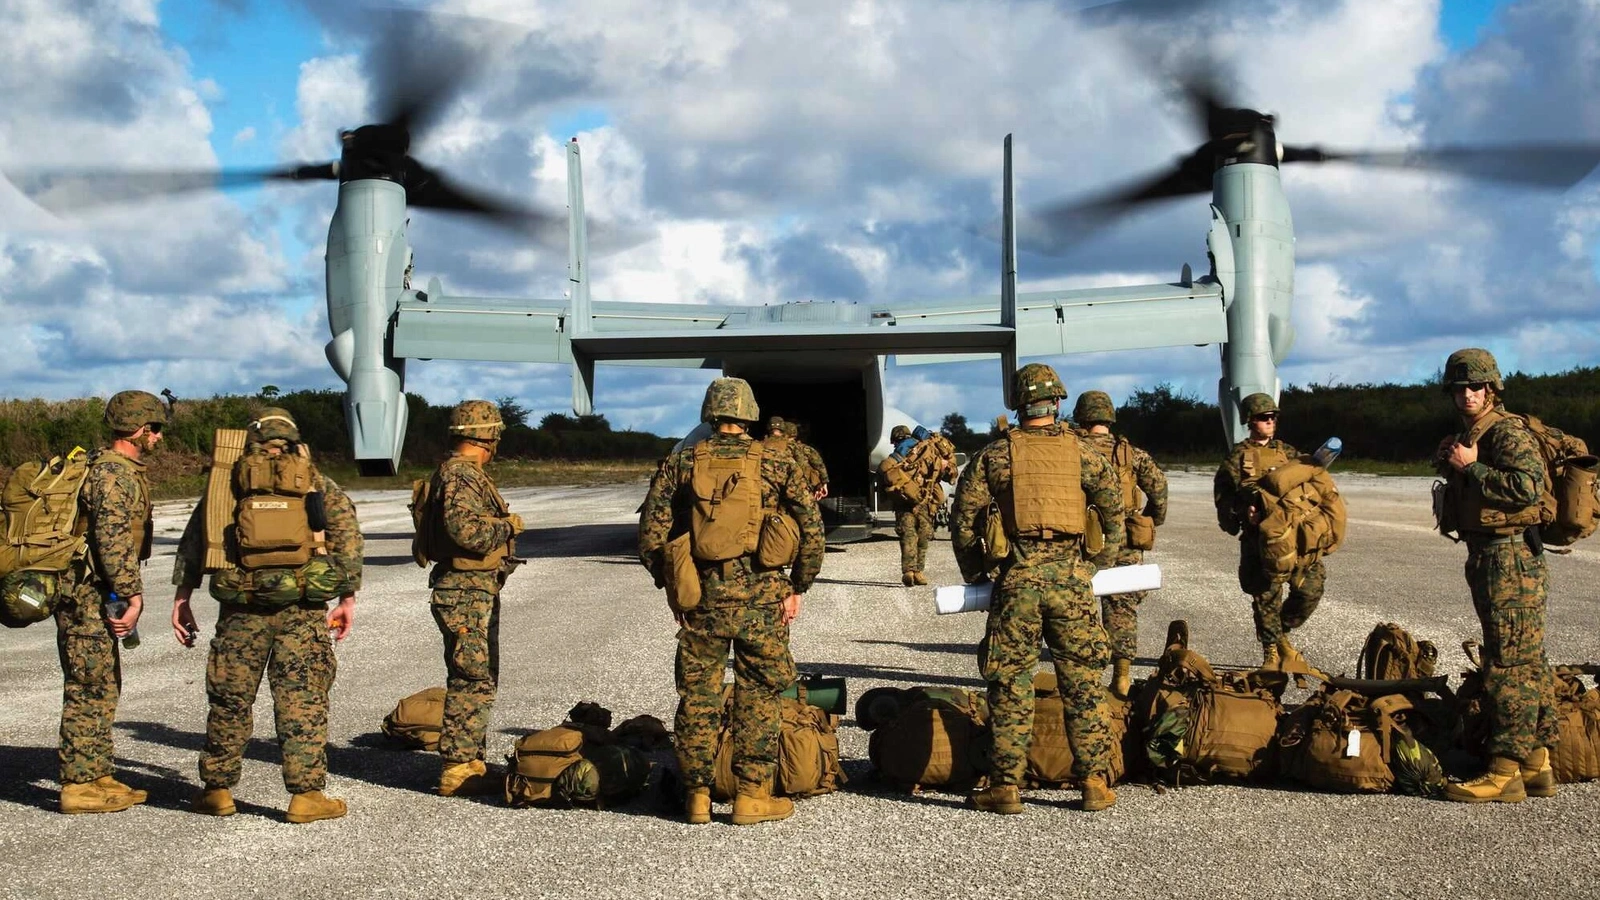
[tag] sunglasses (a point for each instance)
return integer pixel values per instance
(155, 427)
(1265, 417)
(1473, 386)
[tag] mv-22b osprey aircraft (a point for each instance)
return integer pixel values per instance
(818, 362)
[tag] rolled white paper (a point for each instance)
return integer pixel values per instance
(960, 598)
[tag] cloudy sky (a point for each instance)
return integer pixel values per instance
(829, 150)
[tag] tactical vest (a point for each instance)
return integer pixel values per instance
(1259, 459)
(1046, 498)
(143, 529)
(271, 528)
(433, 543)
(1474, 513)
(726, 514)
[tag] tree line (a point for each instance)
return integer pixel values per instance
(1383, 422)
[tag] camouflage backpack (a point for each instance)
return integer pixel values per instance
(43, 535)
(1392, 653)
(1573, 475)
(1344, 741)
(1202, 726)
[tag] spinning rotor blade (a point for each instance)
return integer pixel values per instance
(1547, 165)
(1053, 230)
(430, 190)
(422, 60)
(64, 190)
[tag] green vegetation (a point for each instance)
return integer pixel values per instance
(561, 450)
(1386, 428)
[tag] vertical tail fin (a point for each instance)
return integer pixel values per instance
(580, 316)
(1008, 276)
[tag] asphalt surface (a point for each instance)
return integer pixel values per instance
(581, 622)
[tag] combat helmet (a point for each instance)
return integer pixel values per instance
(730, 398)
(274, 423)
(128, 411)
(792, 430)
(1256, 405)
(1094, 408)
(1036, 383)
(899, 433)
(1472, 366)
(776, 426)
(477, 420)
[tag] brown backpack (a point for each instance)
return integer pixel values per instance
(1392, 653)
(1573, 474)
(900, 480)
(1049, 752)
(725, 517)
(1577, 756)
(537, 762)
(1344, 741)
(808, 753)
(417, 720)
(934, 741)
(1303, 515)
(271, 528)
(1202, 726)
(43, 535)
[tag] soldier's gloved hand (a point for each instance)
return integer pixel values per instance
(516, 524)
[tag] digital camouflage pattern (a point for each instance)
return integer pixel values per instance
(466, 605)
(128, 411)
(730, 398)
(1035, 382)
(116, 507)
(1094, 408)
(1120, 612)
(810, 460)
(739, 605)
(273, 423)
(476, 420)
(1256, 405)
(1472, 366)
(1044, 592)
(292, 647)
(469, 621)
(1509, 586)
(1274, 615)
(914, 523)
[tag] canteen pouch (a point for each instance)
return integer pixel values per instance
(681, 575)
(780, 541)
(27, 597)
(1141, 532)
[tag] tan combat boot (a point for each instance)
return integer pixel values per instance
(756, 804)
(92, 798)
(466, 779)
(1005, 799)
(1121, 677)
(908, 579)
(919, 577)
(113, 786)
(1501, 784)
(214, 802)
(1290, 655)
(697, 805)
(1538, 778)
(312, 806)
(1269, 657)
(1097, 795)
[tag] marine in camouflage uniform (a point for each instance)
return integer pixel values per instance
(914, 522)
(116, 511)
(1275, 617)
(289, 643)
(477, 523)
(1495, 477)
(1044, 590)
(1094, 415)
(810, 461)
(741, 604)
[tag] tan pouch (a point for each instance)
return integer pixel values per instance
(681, 575)
(996, 546)
(780, 541)
(1141, 532)
(272, 531)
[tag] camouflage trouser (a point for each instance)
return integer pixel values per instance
(1120, 612)
(1275, 616)
(915, 528)
(469, 620)
(91, 670)
(762, 669)
(291, 646)
(1052, 600)
(1509, 585)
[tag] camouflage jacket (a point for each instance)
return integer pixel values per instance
(343, 539)
(1509, 471)
(116, 501)
(987, 477)
(475, 518)
(1227, 489)
(1146, 474)
(666, 515)
(811, 461)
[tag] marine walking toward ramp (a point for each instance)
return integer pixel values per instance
(468, 531)
(1041, 482)
(290, 543)
(1138, 475)
(1494, 498)
(733, 533)
(116, 510)
(1240, 512)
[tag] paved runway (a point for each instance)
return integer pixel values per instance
(581, 622)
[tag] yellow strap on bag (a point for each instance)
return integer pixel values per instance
(226, 448)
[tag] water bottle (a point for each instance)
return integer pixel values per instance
(115, 607)
(1328, 452)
